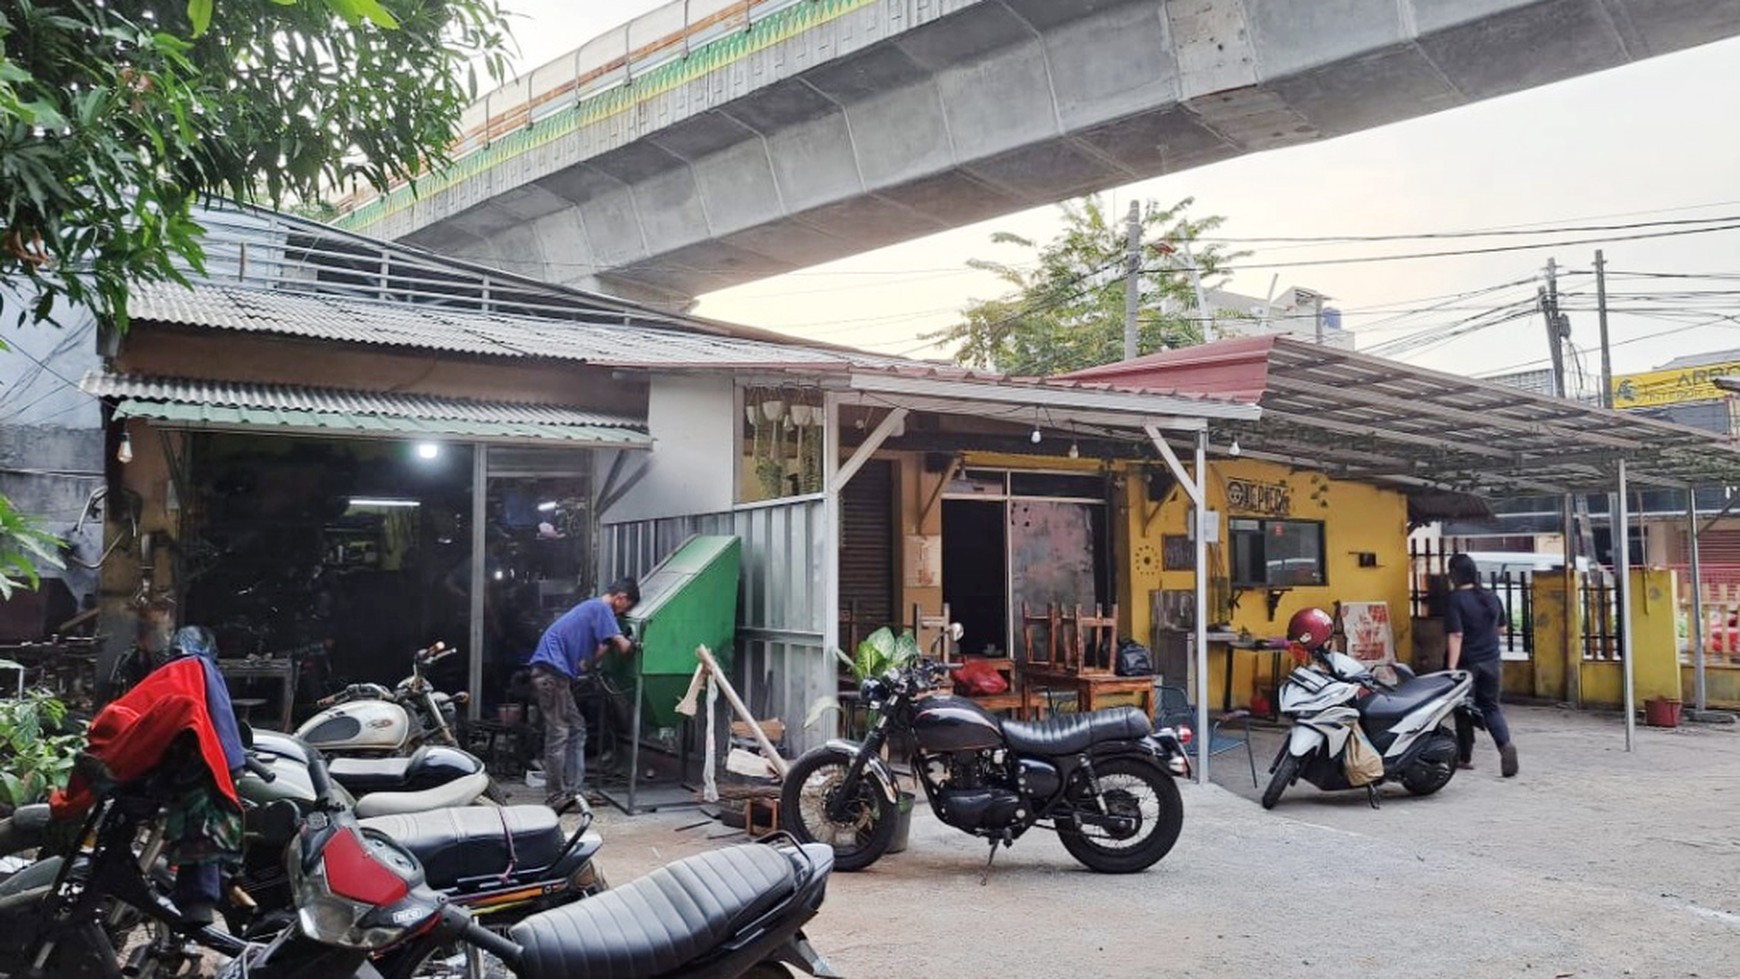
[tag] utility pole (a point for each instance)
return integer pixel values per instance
(1601, 312)
(1558, 327)
(1133, 281)
(1317, 305)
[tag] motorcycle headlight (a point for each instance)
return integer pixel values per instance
(358, 893)
(873, 692)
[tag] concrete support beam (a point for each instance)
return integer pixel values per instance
(892, 120)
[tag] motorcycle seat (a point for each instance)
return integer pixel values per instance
(657, 923)
(462, 791)
(468, 842)
(364, 775)
(1407, 698)
(1066, 734)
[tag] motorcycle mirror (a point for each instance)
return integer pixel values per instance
(956, 631)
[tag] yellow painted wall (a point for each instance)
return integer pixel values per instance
(1356, 518)
(1656, 669)
(1721, 685)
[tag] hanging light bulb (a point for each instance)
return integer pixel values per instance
(1035, 437)
(125, 451)
(1233, 449)
(1074, 450)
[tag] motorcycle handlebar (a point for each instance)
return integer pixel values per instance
(253, 764)
(462, 924)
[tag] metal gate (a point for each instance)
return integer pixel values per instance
(780, 666)
(1429, 587)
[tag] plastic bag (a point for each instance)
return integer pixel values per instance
(979, 678)
(1360, 759)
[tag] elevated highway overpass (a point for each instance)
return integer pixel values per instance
(714, 142)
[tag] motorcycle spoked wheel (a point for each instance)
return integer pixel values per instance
(811, 785)
(1132, 788)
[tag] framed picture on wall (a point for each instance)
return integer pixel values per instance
(1177, 552)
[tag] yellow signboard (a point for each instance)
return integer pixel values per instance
(1653, 389)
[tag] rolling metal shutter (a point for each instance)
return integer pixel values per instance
(867, 545)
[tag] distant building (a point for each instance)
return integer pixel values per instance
(1293, 312)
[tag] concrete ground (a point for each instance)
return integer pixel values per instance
(1591, 863)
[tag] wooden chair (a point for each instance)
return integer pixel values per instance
(1050, 621)
(1094, 641)
(929, 628)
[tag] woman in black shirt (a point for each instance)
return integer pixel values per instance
(1472, 623)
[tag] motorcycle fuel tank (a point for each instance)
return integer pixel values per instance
(950, 723)
(361, 725)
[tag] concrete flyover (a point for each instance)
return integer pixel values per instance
(714, 142)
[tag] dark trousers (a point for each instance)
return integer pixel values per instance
(1488, 680)
(564, 733)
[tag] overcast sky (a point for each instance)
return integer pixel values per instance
(1646, 142)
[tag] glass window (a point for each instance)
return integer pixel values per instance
(1277, 553)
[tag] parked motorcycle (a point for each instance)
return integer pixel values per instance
(367, 719)
(365, 908)
(501, 865)
(413, 721)
(1335, 698)
(431, 779)
(1102, 781)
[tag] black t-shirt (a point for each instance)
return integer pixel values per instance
(1476, 614)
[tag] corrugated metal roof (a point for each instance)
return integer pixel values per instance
(220, 403)
(428, 327)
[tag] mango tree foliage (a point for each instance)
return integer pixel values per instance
(1064, 310)
(118, 116)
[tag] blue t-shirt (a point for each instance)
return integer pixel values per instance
(569, 642)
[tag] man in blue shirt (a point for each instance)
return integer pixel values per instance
(568, 646)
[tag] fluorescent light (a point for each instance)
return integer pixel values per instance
(381, 501)
(428, 450)
(546, 506)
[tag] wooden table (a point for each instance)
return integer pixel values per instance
(1255, 646)
(282, 670)
(1088, 687)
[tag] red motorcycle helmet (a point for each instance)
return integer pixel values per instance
(1311, 628)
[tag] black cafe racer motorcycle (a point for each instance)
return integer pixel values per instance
(1102, 781)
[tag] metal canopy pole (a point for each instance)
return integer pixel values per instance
(830, 576)
(1200, 507)
(1696, 632)
(1622, 559)
(1195, 487)
(479, 563)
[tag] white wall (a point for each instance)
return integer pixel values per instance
(692, 461)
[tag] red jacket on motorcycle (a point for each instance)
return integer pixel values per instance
(128, 738)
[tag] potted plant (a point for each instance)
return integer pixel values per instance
(37, 747)
(880, 652)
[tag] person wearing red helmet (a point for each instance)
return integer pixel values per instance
(1472, 621)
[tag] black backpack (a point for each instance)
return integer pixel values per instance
(1133, 659)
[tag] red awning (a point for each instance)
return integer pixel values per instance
(1237, 369)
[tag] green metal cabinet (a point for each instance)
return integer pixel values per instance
(688, 600)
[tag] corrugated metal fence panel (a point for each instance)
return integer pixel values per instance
(780, 668)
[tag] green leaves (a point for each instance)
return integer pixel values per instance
(115, 123)
(1065, 311)
(37, 750)
(23, 548)
(199, 12)
(882, 650)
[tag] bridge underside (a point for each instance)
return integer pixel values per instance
(898, 130)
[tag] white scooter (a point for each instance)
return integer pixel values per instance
(398, 740)
(1405, 722)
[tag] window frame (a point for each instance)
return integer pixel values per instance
(1262, 532)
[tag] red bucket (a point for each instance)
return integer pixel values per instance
(1661, 712)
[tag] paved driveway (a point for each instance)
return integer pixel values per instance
(1591, 863)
